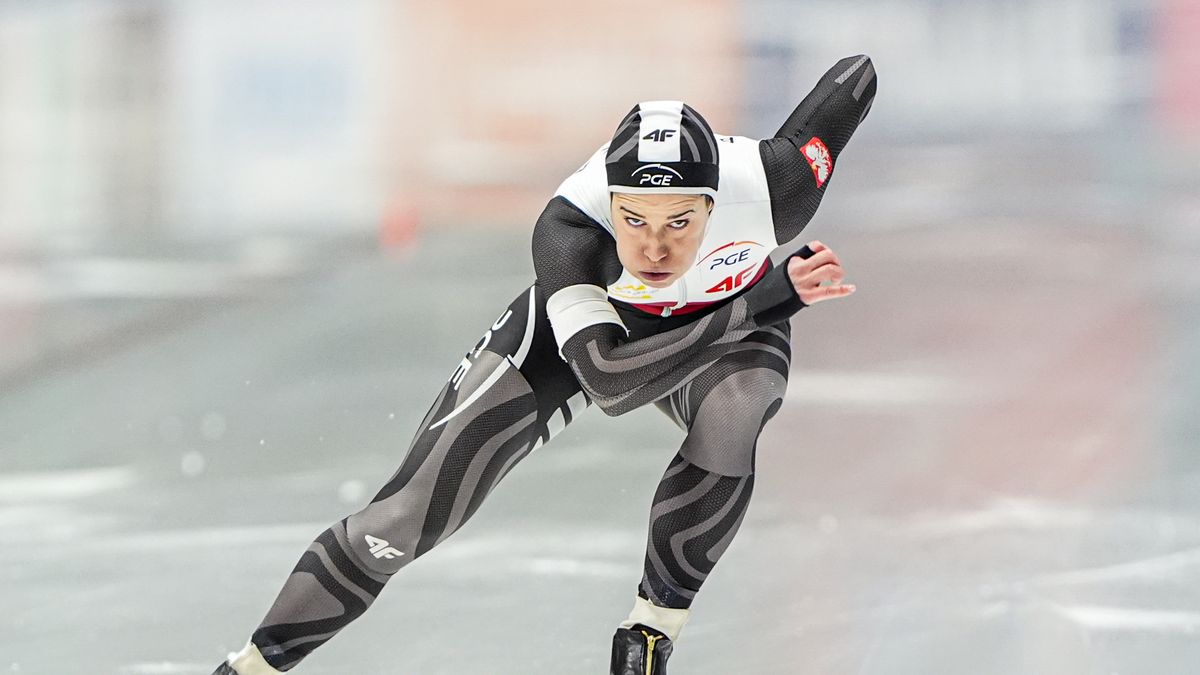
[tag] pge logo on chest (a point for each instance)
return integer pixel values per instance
(731, 259)
(729, 254)
(731, 266)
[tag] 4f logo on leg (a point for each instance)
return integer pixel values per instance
(381, 549)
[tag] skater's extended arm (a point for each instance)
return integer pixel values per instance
(799, 160)
(575, 261)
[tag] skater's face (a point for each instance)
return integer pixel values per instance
(658, 235)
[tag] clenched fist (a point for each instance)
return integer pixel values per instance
(807, 273)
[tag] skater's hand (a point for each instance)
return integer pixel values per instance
(822, 266)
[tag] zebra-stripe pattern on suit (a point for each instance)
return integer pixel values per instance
(511, 394)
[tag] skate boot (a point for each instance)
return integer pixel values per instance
(640, 650)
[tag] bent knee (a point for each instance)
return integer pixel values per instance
(724, 432)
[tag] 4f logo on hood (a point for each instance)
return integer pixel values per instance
(819, 159)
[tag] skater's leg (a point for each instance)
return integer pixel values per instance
(509, 394)
(345, 569)
(704, 493)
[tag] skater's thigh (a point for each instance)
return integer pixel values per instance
(725, 406)
(508, 393)
(522, 339)
(513, 363)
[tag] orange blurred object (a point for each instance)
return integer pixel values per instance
(400, 227)
(533, 87)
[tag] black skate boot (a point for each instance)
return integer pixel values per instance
(640, 650)
(225, 669)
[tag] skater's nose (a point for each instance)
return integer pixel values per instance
(655, 249)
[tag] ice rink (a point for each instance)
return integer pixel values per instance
(987, 461)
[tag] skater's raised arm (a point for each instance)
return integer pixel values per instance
(799, 160)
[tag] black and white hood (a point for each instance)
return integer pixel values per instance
(663, 146)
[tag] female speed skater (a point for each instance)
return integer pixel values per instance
(653, 285)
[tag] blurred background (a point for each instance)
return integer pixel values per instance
(242, 244)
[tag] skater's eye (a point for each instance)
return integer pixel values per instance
(634, 222)
(678, 224)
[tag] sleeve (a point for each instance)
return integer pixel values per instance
(574, 260)
(800, 159)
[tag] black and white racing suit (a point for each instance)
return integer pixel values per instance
(712, 352)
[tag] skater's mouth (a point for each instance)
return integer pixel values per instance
(656, 276)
